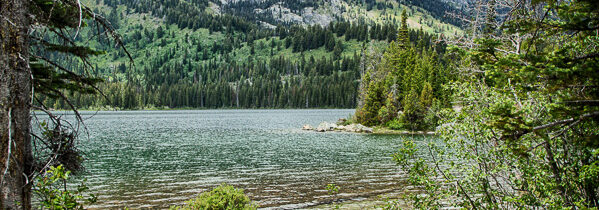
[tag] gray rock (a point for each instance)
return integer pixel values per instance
(326, 126)
(349, 128)
(358, 128)
(307, 127)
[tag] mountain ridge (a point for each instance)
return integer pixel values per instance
(188, 55)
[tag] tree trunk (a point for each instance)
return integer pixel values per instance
(15, 102)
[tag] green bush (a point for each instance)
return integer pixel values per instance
(395, 124)
(221, 197)
(52, 192)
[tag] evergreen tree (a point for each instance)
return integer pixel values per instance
(368, 115)
(403, 37)
(413, 111)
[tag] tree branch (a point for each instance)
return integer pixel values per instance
(72, 74)
(584, 57)
(582, 102)
(447, 178)
(561, 122)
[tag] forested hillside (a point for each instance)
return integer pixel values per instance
(246, 54)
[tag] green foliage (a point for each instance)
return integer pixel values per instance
(388, 111)
(407, 81)
(395, 124)
(421, 175)
(58, 59)
(221, 197)
(527, 133)
(413, 111)
(403, 37)
(332, 189)
(50, 77)
(432, 114)
(368, 114)
(348, 121)
(188, 57)
(51, 188)
(426, 96)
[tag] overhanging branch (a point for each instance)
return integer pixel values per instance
(566, 121)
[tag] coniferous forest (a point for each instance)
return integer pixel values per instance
(191, 58)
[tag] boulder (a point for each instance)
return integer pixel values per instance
(326, 126)
(307, 127)
(358, 128)
(351, 128)
(341, 121)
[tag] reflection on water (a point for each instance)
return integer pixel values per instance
(156, 159)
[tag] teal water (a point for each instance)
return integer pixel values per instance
(154, 159)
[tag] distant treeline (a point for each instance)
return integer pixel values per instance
(281, 83)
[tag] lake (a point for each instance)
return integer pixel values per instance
(154, 159)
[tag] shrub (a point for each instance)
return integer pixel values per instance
(395, 124)
(53, 193)
(221, 197)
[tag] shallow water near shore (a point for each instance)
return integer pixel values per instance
(155, 159)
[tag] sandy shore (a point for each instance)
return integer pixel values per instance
(374, 202)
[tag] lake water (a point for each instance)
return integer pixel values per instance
(154, 159)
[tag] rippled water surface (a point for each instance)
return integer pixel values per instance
(154, 159)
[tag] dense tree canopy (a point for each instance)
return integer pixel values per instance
(402, 89)
(528, 123)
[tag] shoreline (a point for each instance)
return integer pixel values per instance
(387, 131)
(199, 109)
(372, 201)
(343, 126)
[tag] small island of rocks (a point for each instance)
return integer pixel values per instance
(342, 125)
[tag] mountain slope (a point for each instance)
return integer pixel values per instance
(251, 54)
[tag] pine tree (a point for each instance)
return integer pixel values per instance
(426, 96)
(413, 111)
(373, 103)
(403, 37)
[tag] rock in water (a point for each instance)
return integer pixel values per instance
(350, 128)
(357, 128)
(325, 126)
(307, 127)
